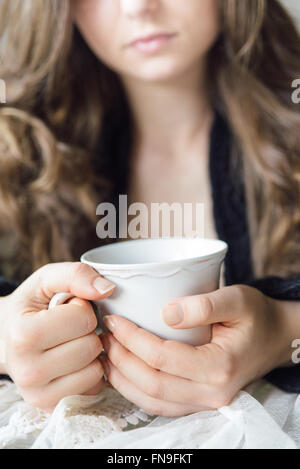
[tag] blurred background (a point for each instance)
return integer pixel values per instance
(294, 6)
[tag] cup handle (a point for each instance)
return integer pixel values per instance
(59, 299)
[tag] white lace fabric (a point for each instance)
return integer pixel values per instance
(77, 421)
(259, 417)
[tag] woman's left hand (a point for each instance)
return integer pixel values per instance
(171, 378)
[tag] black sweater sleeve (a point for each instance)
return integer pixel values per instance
(230, 208)
(7, 287)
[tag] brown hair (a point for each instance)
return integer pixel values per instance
(50, 127)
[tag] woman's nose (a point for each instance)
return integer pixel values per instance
(137, 7)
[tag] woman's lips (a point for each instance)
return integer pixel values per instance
(152, 43)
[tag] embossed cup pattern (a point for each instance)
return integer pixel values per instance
(144, 288)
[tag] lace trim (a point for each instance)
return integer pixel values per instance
(76, 422)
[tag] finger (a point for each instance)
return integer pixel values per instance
(70, 357)
(144, 401)
(49, 328)
(155, 383)
(77, 383)
(75, 277)
(175, 358)
(202, 310)
(96, 389)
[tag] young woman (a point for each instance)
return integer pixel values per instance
(165, 101)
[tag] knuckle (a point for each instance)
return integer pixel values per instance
(97, 370)
(130, 336)
(156, 357)
(118, 359)
(17, 340)
(79, 269)
(94, 344)
(33, 335)
(155, 389)
(206, 307)
(229, 366)
(225, 373)
(156, 360)
(29, 376)
(42, 274)
(24, 339)
(90, 318)
(44, 269)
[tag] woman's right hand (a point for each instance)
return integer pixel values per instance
(51, 354)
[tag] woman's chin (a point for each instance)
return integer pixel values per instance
(156, 73)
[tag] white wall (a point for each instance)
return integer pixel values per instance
(294, 7)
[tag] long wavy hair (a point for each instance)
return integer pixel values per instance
(59, 125)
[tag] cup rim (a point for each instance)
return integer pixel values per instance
(216, 255)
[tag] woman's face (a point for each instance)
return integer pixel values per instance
(110, 26)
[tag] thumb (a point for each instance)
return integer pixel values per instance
(201, 310)
(75, 277)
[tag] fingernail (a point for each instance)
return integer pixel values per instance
(173, 314)
(103, 286)
(109, 322)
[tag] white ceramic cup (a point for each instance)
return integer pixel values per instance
(149, 273)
